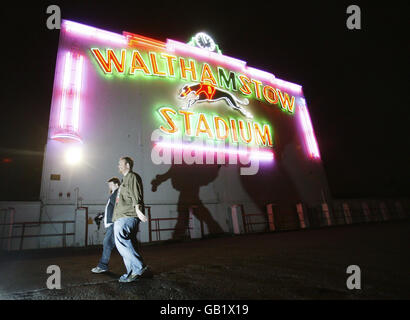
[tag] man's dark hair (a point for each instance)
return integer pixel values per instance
(129, 161)
(114, 180)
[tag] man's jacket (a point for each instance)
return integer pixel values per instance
(129, 195)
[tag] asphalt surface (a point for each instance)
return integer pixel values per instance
(309, 264)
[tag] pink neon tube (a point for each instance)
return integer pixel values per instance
(66, 82)
(91, 32)
(78, 78)
(310, 138)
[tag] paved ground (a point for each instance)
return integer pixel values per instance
(308, 264)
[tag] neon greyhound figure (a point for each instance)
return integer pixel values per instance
(202, 92)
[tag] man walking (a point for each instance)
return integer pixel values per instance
(127, 214)
(109, 241)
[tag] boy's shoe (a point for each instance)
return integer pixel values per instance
(98, 270)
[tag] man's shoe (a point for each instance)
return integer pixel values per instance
(98, 270)
(143, 271)
(123, 278)
(132, 277)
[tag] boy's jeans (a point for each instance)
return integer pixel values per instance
(108, 245)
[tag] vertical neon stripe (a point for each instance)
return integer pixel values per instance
(66, 82)
(78, 78)
(310, 138)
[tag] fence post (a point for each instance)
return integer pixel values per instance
(384, 211)
(347, 213)
(325, 210)
(366, 211)
(149, 224)
(81, 225)
(64, 236)
(244, 219)
(196, 229)
(271, 219)
(22, 236)
(301, 214)
(236, 224)
(10, 229)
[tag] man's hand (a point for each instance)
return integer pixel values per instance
(140, 215)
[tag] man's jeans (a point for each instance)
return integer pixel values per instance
(125, 234)
(108, 245)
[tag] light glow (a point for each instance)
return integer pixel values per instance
(138, 40)
(73, 155)
(309, 135)
(208, 44)
(287, 85)
(186, 49)
(94, 33)
(259, 74)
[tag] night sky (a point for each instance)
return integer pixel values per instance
(356, 82)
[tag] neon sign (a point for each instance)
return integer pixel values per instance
(137, 62)
(198, 125)
(211, 77)
(208, 92)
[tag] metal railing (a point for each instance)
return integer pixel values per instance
(25, 225)
(157, 229)
(248, 223)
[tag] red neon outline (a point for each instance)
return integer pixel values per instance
(171, 123)
(187, 122)
(154, 64)
(257, 88)
(138, 40)
(258, 133)
(243, 78)
(184, 69)
(285, 103)
(170, 58)
(111, 57)
(216, 122)
(249, 131)
(266, 95)
(142, 65)
(208, 89)
(234, 131)
(207, 129)
(207, 68)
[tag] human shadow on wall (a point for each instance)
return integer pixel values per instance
(275, 182)
(188, 179)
